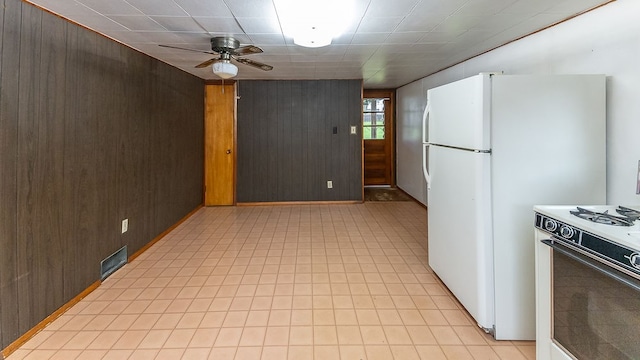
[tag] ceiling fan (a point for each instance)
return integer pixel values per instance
(228, 48)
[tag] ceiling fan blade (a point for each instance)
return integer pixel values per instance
(255, 64)
(194, 50)
(247, 50)
(206, 63)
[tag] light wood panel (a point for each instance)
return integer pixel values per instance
(220, 154)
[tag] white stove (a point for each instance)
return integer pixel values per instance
(587, 282)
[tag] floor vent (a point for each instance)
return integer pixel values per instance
(112, 263)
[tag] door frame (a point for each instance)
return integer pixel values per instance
(390, 129)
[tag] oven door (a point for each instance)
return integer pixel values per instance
(594, 308)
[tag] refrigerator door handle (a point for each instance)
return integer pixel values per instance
(425, 121)
(425, 171)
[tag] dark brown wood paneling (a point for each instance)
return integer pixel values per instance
(29, 295)
(9, 66)
(49, 165)
(91, 132)
(289, 127)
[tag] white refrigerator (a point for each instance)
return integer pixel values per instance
(495, 145)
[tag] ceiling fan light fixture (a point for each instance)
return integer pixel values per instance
(225, 69)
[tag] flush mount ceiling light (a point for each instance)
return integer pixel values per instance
(313, 23)
(225, 69)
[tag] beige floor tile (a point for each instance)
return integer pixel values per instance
(253, 336)
(228, 337)
(274, 353)
(430, 352)
(277, 335)
(396, 335)
(248, 353)
(378, 352)
(482, 352)
(404, 352)
(300, 352)
(277, 282)
(352, 352)
(324, 335)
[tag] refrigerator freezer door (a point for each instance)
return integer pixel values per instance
(459, 232)
(459, 113)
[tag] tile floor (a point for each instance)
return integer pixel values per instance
(277, 282)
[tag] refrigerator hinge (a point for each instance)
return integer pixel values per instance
(491, 331)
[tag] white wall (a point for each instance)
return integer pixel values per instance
(603, 41)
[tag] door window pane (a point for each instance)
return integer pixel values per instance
(373, 119)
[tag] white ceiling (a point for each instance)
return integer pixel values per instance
(389, 43)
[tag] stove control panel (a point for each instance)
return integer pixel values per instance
(605, 250)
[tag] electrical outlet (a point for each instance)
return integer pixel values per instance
(329, 184)
(125, 225)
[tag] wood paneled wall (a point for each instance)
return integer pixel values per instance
(287, 149)
(91, 132)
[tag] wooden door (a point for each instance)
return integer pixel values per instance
(377, 132)
(220, 157)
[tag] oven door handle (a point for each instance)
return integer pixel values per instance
(594, 264)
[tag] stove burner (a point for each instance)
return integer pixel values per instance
(603, 217)
(630, 213)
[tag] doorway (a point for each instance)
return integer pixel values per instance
(378, 137)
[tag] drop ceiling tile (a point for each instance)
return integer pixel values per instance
(571, 7)
(101, 23)
(484, 7)
(369, 38)
(148, 37)
(386, 8)
(175, 23)
(137, 23)
(529, 7)
(111, 7)
(220, 25)
(251, 8)
(377, 25)
(420, 22)
(267, 39)
(440, 36)
(439, 7)
(259, 25)
(405, 37)
(154, 7)
(213, 8)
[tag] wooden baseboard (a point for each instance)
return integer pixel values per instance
(42, 324)
(279, 203)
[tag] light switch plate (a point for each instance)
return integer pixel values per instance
(125, 225)
(354, 130)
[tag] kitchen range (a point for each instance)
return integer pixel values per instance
(587, 282)
(494, 146)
